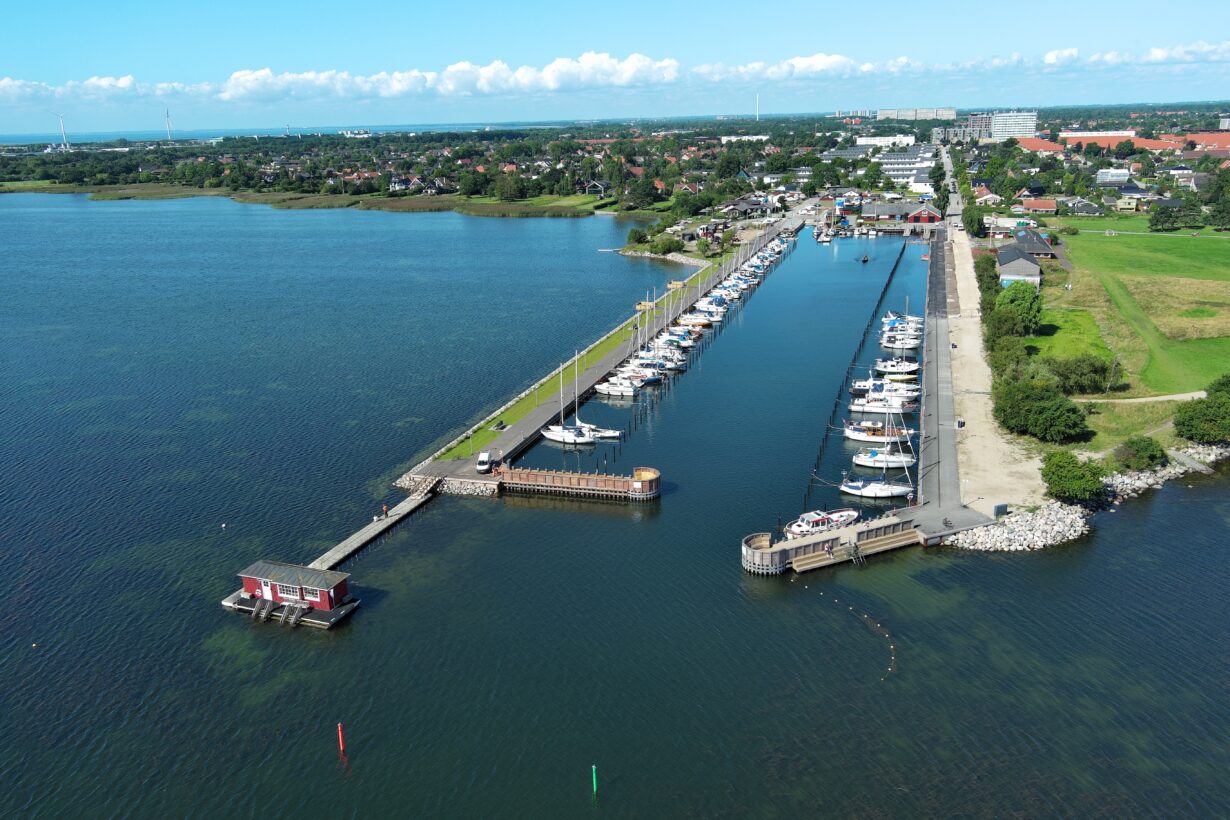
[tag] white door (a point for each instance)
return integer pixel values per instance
(266, 590)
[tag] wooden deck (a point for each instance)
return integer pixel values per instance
(642, 485)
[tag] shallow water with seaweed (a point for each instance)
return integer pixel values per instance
(172, 366)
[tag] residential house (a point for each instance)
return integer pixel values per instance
(1038, 206)
(1016, 265)
(1033, 243)
(596, 187)
(987, 198)
(690, 187)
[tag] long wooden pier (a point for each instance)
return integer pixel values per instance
(420, 496)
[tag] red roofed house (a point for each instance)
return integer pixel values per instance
(985, 196)
(659, 185)
(1139, 142)
(1208, 139)
(1039, 206)
(1039, 146)
(690, 187)
(637, 171)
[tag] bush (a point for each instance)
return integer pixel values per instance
(666, 245)
(1026, 300)
(1003, 321)
(1015, 401)
(1007, 355)
(637, 236)
(1070, 479)
(1205, 421)
(1140, 453)
(1057, 420)
(1035, 407)
(1085, 373)
(1220, 387)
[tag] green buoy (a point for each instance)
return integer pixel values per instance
(595, 773)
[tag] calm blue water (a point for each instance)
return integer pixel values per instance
(169, 366)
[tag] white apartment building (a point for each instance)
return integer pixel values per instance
(1005, 124)
(886, 142)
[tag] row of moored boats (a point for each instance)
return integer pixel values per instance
(880, 402)
(662, 354)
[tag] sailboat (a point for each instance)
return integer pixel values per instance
(561, 433)
(593, 429)
(882, 487)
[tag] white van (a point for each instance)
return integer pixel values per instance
(484, 462)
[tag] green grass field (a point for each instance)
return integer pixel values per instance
(1161, 364)
(1068, 332)
(1190, 257)
(1113, 222)
(1112, 424)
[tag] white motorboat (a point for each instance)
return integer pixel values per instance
(883, 406)
(876, 487)
(882, 458)
(901, 377)
(897, 365)
(892, 314)
(900, 342)
(874, 388)
(611, 388)
(876, 432)
(816, 521)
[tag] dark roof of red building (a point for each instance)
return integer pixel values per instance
(293, 575)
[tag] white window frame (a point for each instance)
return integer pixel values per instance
(311, 594)
(285, 591)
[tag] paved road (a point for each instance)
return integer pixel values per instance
(1198, 394)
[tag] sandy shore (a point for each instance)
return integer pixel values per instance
(994, 468)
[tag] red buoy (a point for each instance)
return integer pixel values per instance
(341, 740)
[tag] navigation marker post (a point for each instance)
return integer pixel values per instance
(594, 770)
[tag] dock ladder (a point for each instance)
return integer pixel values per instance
(855, 556)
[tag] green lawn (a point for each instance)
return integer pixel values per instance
(1114, 222)
(1171, 365)
(1066, 333)
(1199, 257)
(1112, 423)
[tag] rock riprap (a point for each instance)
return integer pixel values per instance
(1051, 524)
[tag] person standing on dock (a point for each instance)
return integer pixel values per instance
(386, 510)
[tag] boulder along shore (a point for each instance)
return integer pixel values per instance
(1058, 523)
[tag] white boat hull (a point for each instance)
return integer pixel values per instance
(876, 489)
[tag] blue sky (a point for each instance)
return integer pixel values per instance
(263, 64)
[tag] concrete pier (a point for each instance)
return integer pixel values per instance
(525, 431)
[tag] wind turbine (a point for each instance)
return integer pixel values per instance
(168, 125)
(63, 135)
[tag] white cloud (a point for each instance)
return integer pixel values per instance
(591, 70)
(1193, 52)
(817, 64)
(1060, 56)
